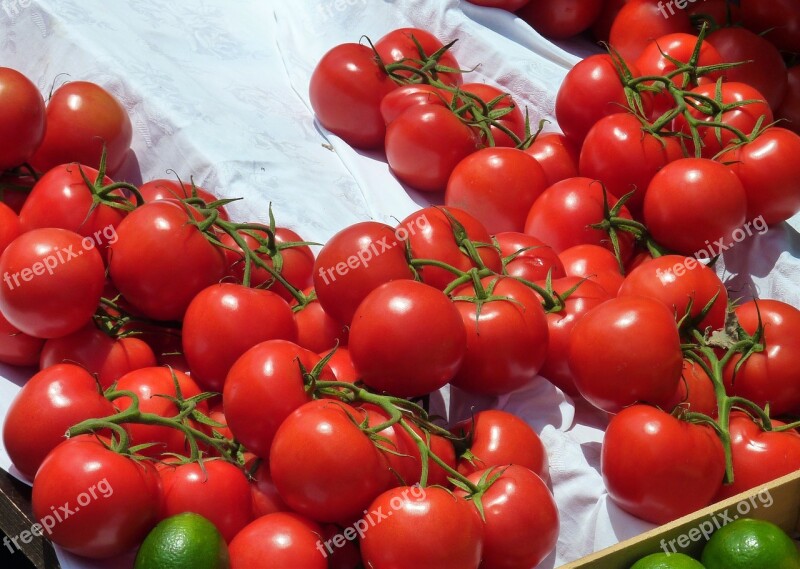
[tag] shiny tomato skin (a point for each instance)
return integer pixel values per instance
(399, 45)
(695, 391)
(594, 263)
(278, 540)
(557, 156)
(397, 101)
(561, 19)
(317, 330)
(513, 120)
(164, 189)
(527, 257)
(342, 365)
(641, 21)
(16, 348)
(22, 119)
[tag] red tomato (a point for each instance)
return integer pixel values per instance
(399, 449)
(695, 391)
(641, 21)
(498, 186)
(427, 345)
(513, 120)
(9, 226)
(778, 21)
(557, 156)
(397, 101)
(624, 351)
(346, 90)
(527, 257)
(342, 365)
(719, 12)
(82, 118)
(400, 46)
(22, 119)
(790, 107)
(52, 282)
(594, 263)
(608, 13)
(317, 330)
(164, 189)
(659, 468)
(16, 348)
(240, 317)
(406, 527)
(561, 19)
(94, 502)
(14, 189)
(279, 540)
(266, 499)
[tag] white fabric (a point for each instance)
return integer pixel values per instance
(219, 90)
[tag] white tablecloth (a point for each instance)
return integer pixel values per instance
(218, 90)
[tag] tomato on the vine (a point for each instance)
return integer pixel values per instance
(400, 45)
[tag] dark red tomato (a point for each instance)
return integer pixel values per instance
(217, 490)
(586, 296)
(694, 204)
(744, 117)
(719, 12)
(624, 351)
(499, 99)
(9, 226)
(52, 282)
(659, 468)
(263, 387)
(240, 318)
(637, 156)
(561, 19)
(317, 330)
(510, 5)
(594, 263)
(778, 21)
(401, 45)
(790, 107)
(527, 257)
(758, 456)
(425, 143)
(498, 186)
(608, 13)
(14, 189)
(353, 262)
(94, 502)
(497, 438)
(279, 540)
(676, 281)
(520, 515)
(82, 118)
(695, 391)
(323, 465)
(506, 337)
(348, 555)
(346, 90)
(22, 119)
(105, 357)
(563, 214)
(342, 365)
(407, 526)
(762, 68)
(397, 101)
(769, 376)
(266, 499)
(160, 260)
(641, 21)
(427, 345)
(66, 395)
(164, 189)
(16, 348)
(432, 234)
(557, 156)
(770, 178)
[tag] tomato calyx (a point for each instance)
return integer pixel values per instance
(426, 69)
(109, 195)
(475, 492)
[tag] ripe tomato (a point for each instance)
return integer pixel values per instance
(82, 118)
(624, 351)
(22, 119)
(346, 89)
(778, 21)
(94, 502)
(279, 540)
(428, 339)
(266, 499)
(593, 263)
(401, 45)
(498, 186)
(561, 19)
(9, 226)
(165, 189)
(397, 101)
(527, 257)
(317, 330)
(16, 348)
(659, 468)
(557, 156)
(790, 107)
(240, 317)
(695, 391)
(52, 282)
(641, 21)
(342, 365)
(513, 120)
(608, 13)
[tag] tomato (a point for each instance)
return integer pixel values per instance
(561, 19)
(16, 348)
(506, 337)
(608, 13)
(624, 351)
(105, 357)
(406, 527)
(676, 281)
(594, 263)
(693, 204)
(638, 156)
(719, 12)
(513, 120)
(779, 22)
(527, 257)
(345, 91)
(695, 391)
(82, 119)
(160, 260)
(240, 317)
(433, 233)
(401, 45)
(425, 143)
(266, 499)
(521, 518)
(263, 387)
(641, 21)
(65, 394)
(323, 465)
(342, 365)
(217, 490)
(353, 262)
(348, 555)
(52, 282)
(771, 181)
(769, 376)
(14, 189)
(498, 186)
(497, 438)
(279, 540)
(397, 101)
(557, 156)
(164, 189)
(94, 502)
(9, 226)
(563, 214)
(317, 330)
(659, 468)
(790, 107)
(428, 339)
(22, 120)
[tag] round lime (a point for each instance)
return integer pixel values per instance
(667, 561)
(750, 544)
(183, 541)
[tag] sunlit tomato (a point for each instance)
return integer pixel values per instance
(527, 257)
(557, 156)
(22, 119)
(641, 21)
(594, 263)
(561, 19)
(499, 99)
(695, 391)
(342, 365)
(278, 540)
(397, 101)
(164, 189)
(317, 330)
(403, 45)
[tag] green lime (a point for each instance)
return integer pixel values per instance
(750, 544)
(667, 561)
(183, 541)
